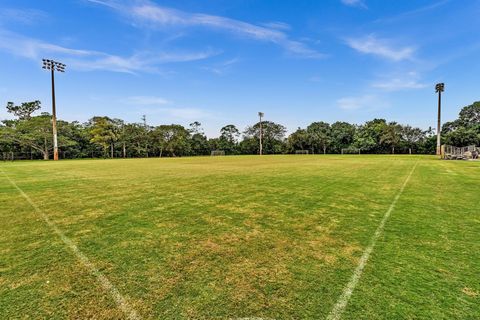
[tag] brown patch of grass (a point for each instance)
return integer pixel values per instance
(24, 281)
(470, 292)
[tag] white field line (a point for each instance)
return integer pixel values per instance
(122, 303)
(342, 302)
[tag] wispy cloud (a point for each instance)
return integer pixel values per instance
(364, 102)
(222, 67)
(154, 105)
(381, 47)
(26, 16)
(151, 15)
(355, 3)
(408, 81)
(414, 12)
(88, 60)
(277, 25)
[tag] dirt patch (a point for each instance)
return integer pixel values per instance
(470, 292)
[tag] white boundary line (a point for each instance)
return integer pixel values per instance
(122, 303)
(342, 302)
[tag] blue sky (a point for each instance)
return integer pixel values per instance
(222, 61)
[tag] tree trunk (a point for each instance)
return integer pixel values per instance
(124, 151)
(161, 151)
(324, 150)
(111, 150)
(45, 149)
(393, 150)
(410, 150)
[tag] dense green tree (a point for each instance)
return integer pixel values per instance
(319, 136)
(32, 135)
(363, 140)
(368, 136)
(74, 139)
(228, 139)
(470, 115)
(391, 135)
(249, 145)
(298, 140)
(466, 129)
(342, 134)
(412, 136)
(273, 136)
(25, 110)
(104, 132)
(214, 144)
(198, 141)
(463, 137)
(171, 140)
(35, 133)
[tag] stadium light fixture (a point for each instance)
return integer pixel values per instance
(260, 115)
(439, 88)
(53, 66)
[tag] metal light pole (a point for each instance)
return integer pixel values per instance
(60, 67)
(439, 88)
(260, 115)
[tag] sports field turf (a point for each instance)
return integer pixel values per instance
(272, 237)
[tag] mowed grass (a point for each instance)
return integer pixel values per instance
(273, 237)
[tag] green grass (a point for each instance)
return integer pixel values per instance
(275, 237)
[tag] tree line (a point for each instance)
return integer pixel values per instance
(30, 136)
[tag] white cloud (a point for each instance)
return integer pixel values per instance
(354, 3)
(156, 105)
(411, 80)
(154, 16)
(277, 25)
(364, 102)
(396, 84)
(88, 60)
(222, 67)
(33, 49)
(414, 12)
(380, 47)
(26, 16)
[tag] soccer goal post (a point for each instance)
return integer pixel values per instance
(301, 152)
(218, 153)
(351, 151)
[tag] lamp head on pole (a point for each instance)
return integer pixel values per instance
(53, 65)
(261, 114)
(440, 87)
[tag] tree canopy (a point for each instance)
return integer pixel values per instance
(31, 135)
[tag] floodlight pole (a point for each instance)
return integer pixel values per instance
(260, 115)
(54, 119)
(60, 67)
(439, 88)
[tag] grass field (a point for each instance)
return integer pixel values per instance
(272, 237)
